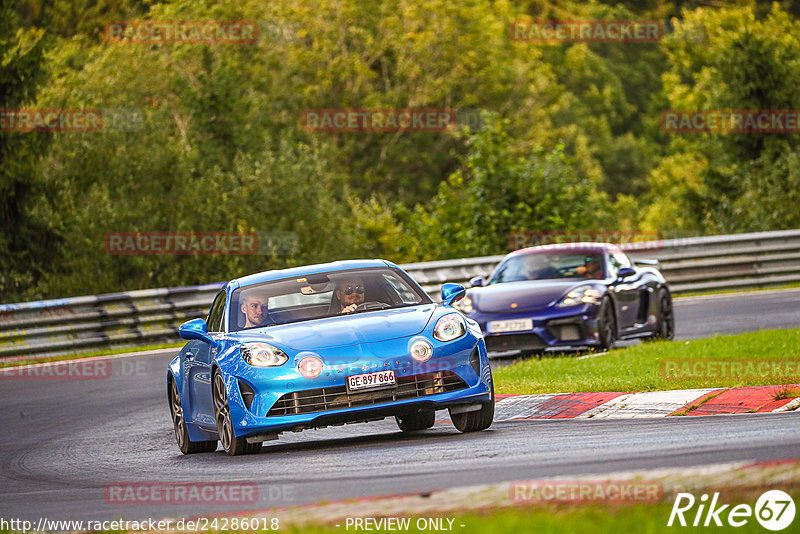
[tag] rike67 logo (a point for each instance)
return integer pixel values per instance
(774, 510)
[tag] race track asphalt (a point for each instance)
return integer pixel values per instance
(64, 441)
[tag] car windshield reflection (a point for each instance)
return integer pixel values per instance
(550, 266)
(330, 294)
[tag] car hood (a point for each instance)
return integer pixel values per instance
(343, 330)
(520, 296)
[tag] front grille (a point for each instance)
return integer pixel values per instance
(566, 332)
(502, 342)
(336, 398)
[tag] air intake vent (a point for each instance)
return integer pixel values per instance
(248, 394)
(336, 398)
(475, 361)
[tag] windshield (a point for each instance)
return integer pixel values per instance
(322, 295)
(550, 266)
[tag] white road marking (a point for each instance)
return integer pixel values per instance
(789, 406)
(647, 404)
(520, 406)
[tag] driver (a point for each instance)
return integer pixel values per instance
(255, 309)
(590, 268)
(349, 293)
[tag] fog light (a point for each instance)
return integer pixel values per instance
(310, 366)
(421, 350)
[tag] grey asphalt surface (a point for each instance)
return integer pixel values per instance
(64, 441)
(733, 313)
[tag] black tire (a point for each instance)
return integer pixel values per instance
(475, 421)
(665, 319)
(414, 422)
(222, 414)
(186, 445)
(607, 325)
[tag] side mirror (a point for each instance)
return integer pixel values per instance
(476, 282)
(195, 329)
(625, 272)
(452, 292)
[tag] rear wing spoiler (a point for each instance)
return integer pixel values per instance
(651, 263)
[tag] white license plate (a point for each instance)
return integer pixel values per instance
(512, 325)
(380, 379)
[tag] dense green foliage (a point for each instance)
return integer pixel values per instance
(24, 236)
(569, 138)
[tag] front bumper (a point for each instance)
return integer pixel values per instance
(552, 328)
(280, 399)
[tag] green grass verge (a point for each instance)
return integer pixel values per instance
(661, 365)
(577, 519)
(90, 354)
(639, 519)
(793, 285)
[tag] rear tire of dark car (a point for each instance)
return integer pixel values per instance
(665, 320)
(179, 426)
(477, 420)
(607, 324)
(233, 446)
(414, 422)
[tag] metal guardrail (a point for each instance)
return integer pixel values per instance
(132, 318)
(691, 264)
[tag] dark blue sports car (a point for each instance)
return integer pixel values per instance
(569, 295)
(309, 347)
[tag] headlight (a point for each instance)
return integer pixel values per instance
(263, 355)
(449, 327)
(581, 295)
(421, 350)
(464, 305)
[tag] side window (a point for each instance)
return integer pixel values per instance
(622, 259)
(217, 313)
(618, 260)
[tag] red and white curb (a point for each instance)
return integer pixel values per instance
(616, 405)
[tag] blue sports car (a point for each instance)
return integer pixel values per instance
(569, 295)
(309, 347)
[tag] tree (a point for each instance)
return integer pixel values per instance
(497, 193)
(730, 59)
(27, 240)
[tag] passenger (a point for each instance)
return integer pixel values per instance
(539, 267)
